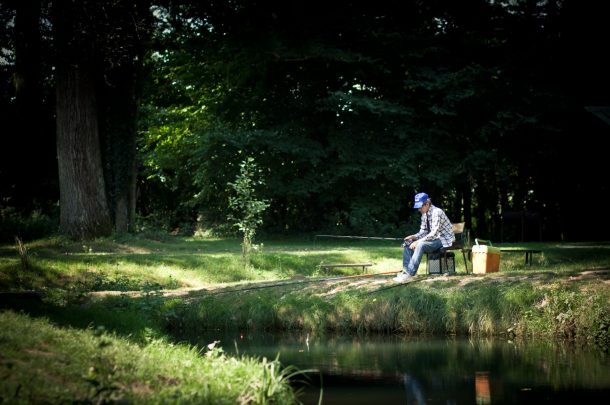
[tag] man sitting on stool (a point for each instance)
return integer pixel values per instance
(434, 233)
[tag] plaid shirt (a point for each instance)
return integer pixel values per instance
(436, 225)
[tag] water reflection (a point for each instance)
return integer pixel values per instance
(413, 390)
(392, 370)
(481, 388)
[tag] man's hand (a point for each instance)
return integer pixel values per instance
(413, 245)
(407, 240)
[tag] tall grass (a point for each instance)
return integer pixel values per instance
(484, 307)
(56, 365)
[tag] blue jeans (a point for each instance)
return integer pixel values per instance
(412, 258)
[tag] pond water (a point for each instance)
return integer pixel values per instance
(395, 370)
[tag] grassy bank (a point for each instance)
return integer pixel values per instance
(130, 298)
(538, 305)
(42, 363)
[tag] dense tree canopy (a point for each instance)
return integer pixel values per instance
(349, 109)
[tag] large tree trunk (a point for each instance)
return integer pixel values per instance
(97, 46)
(125, 204)
(84, 211)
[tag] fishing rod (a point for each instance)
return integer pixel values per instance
(296, 282)
(315, 239)
(355, 237)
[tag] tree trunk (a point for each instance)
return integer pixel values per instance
(84, 211)
(133, 195)
(125, 204)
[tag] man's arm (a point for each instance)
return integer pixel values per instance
(420, 234)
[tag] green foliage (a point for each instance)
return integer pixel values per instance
(34, 225)
(569, 313)
(347, 126)
(247, 209)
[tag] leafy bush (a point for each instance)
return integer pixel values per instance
(36, 225)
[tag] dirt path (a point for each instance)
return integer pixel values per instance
(329, 286)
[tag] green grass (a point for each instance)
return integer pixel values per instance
(564, 294)
(42, 363)
(135, 263)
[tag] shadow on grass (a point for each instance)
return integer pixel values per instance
(129, 317)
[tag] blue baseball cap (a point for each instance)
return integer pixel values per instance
(420, 199)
